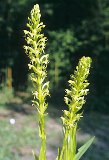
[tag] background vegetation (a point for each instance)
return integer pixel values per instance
(74, 28)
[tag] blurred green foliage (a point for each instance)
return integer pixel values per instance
(6, 95)
(73, 29)
(61, 46)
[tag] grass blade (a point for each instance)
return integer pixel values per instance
(84, 148)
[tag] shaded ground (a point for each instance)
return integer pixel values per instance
(17, 141)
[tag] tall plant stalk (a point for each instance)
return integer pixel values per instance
(74, 98)
(36, 42)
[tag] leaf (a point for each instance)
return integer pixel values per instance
(84, 148)
(35, 156)
(59, 153)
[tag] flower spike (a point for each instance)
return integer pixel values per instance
(36, 42)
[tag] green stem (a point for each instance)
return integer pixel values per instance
(68, 150)
(72, 143)
(42, 155)
(64, 145)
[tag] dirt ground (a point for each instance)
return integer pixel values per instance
(92, 124)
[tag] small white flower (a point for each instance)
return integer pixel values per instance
(12, 121)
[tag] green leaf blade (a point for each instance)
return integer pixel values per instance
(84, 148)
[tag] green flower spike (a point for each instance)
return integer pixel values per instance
(36, 42)
(74, 99)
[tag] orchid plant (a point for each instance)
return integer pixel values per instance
(74, 97)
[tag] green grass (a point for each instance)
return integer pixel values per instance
(17, 141)
(5, 95)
